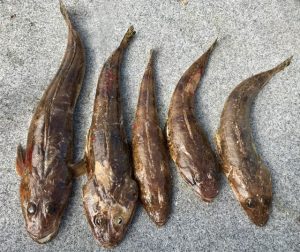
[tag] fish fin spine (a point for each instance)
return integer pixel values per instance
(20, 160)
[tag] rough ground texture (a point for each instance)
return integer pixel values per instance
(254, 36)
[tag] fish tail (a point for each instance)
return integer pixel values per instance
(148, 72)
(151, 56)
(202, 61)
(281, 66)
(127, 37)
(65, 14)
(200, 65)
(212, 47)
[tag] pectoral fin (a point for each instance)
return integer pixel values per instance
(79, 168)
(218, 142)
(20, 160)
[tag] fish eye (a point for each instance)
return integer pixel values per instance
(97, 220)
(31, 209)
(119, 220)
(50, 208)
(250, 203)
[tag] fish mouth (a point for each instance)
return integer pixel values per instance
(43, 238)
(158, 217)
(208, 199)
(206, 196)
(260, 221)
(160, 223)
(107, 243)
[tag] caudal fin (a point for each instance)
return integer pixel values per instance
(65, 14)
(281, 66)
(127, 37)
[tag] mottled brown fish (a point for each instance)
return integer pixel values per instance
(44, 166)
(110, 194)
(248, 176)
(188, 144)
(150, 153)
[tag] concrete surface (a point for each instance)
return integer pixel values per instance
(254, 36)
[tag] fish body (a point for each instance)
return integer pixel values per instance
(248, 176)
(110, 194)
(150, 153)
(188, 144)
(44, 166)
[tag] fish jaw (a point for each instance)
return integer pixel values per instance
(44, 238)
(208, 189)
(159, 216)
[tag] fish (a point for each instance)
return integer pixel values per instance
(110, 193)
(45, 165)
(188, 145)
(248, 176)
(150, 154)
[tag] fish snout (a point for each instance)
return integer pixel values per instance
(41, 231)
(257, 211)
(42, 234)
(107, 238)
(207, 187)
(159, 214)
(260, 216)
(159, 217)
(261, 220)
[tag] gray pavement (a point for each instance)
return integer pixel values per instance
(254, 36)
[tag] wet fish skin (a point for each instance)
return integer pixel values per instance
(247, 175)
(44, 166)
(110, 194)
(188, 144)
(150, 153)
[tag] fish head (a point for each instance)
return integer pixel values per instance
(207, 185)
(159, 213)
(257, 208)
(42, 205)
(109, 214)
(256, 199)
